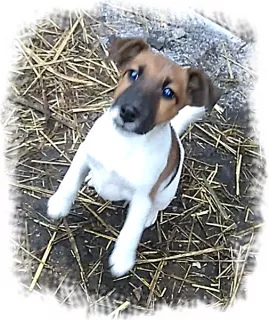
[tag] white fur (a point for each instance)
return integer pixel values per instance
(122, 165)
(185, 116)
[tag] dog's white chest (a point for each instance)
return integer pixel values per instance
(119, 165)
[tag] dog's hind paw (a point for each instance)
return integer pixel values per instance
(88, 180)
(151, 219)
(58, 206)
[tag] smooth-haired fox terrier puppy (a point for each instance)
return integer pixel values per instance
(133, 151)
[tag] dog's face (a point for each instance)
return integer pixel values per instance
(152, 89)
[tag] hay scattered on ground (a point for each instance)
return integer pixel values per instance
(201, 246)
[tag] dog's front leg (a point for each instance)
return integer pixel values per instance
(123, 256)
(60, 203)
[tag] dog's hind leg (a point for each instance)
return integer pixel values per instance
(60, 203)
(151, 218)
(89, 180)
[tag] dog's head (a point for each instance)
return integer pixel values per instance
(152, 89)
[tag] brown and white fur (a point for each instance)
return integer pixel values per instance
(133, 152)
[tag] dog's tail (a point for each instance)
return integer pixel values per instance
(186, 116)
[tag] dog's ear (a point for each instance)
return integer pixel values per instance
(200, 90)
(123, 50)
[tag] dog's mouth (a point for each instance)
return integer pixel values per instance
(127, 126)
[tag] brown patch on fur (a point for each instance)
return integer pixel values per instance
(171, 164)
(124, 50)
(200, 89)
(168, 109)
(123, 84)
(156, 70)
(191, 86)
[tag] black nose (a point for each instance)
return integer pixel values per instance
(129, 113)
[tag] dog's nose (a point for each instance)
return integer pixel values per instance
(129, 113)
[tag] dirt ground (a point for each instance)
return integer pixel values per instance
(202, 245)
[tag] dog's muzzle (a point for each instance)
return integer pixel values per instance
(125, 116)
(135, 109)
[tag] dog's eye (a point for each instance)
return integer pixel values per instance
(133, 75)
(168, 93)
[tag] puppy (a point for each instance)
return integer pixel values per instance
(133, 152)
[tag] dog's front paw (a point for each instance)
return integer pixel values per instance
(121, 261)
(58, 206)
